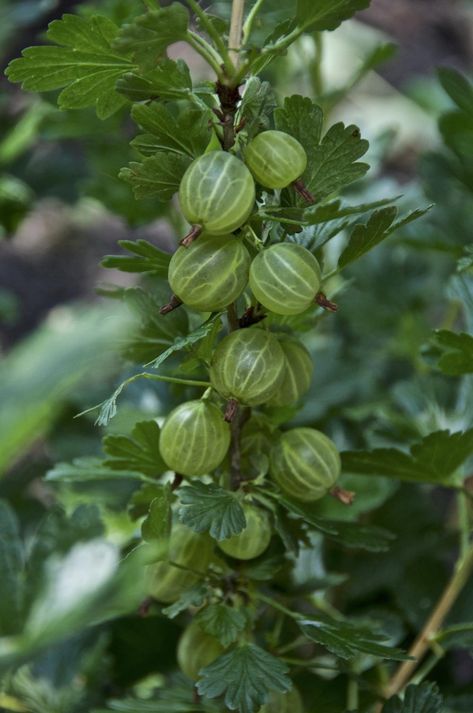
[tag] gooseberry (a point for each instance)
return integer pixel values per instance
(194, 438)
(290, 702)
(196, 649)
(297, 373)
(275, 159)
(305, 463)
(253, 540)
(285, 278)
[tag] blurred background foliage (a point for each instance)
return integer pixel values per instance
(71, 637)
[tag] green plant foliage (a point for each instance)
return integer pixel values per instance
(418, 699)
(209, 508)
(223, 622)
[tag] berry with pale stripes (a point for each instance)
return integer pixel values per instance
(285, 278)
(275, 159)
(196, 649)
(297, 372)
(211, 273)
(217, 193)
(305, 463)
(194, 438)
(253, 540)
(248, 366)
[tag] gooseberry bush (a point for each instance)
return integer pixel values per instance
(227, 489)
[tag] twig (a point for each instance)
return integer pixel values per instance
(236, 30)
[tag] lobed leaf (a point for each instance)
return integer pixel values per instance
(188, 340)
(193, 597)
(148, 258)
(209, 508)
(156, 527)
(158, 175)
(424, 698)
(138, 452)
(168, 80)
(187, 133)
(223, 622)
(457, 352)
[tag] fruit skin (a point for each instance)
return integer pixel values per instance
(253, 540)
(285, 278)
(305, 463)
(187, 548)
(255, 444)
(217, 192)
(283, 703)
(194, 438)
(248, 366)
(211, 273)
(275, 159)
(297, 373)
(196, 649)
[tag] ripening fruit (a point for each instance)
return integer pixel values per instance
(253, 540)
(194, 438)
(305, 463)
(297, 373)
(196, 649)
(283, 703)
(285, 278)
(275, 159)
(255, 444)
(167, 582)
(248, 366)
(217, 192)
(211, 273)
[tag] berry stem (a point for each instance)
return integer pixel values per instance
(236, 30)
(173, 304)
(192, 235)
(325, 303)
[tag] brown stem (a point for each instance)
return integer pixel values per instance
(325, 303)
(250, 317)
(303, 191)
(344, 496)
(178, 478)
(173, 303)
(192, 235)
(229, 98)
(432, 626)
(231, 410)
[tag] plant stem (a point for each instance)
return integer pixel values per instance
(235, 35)
(206, 51)
(248, 25)
(212, 33)
(276, 605)
(433, 624)
(352, 694)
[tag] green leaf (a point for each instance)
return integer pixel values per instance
(457, 356)
(159, 175)
(347, 639)
(184, 342)
(88, 468)
(85, 63)
(257, 106)
(11, 567)
(417, 699)
(148, 258)
(223, 622)
(157, 524)
(188, 133)
(209, 508)
(457, 636)
(327, 14)
(339, 209)
(148, 35)
(193, 597)
(303, 119)
(142, 498)
(169, 80)
(458, 88)
(434, 460)
(245, 676)
(138, 452)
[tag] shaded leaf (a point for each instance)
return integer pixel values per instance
(148, 258)
(159, 175)
(327, 14)
(303, 119)
(183, 342)
(257, 106)
(169, 80)
(193, 597)
(366, 237)
(88, 468)
(424, 698)
(245, 676)
(457, 357)
(187, 133)
(11, 567)
(458, 88)
(209, 508)
(157, 524)
(138, 452)
(223, 622)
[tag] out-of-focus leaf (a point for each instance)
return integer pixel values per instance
(138, 452)
(157, 524)
(11, 568)
(457, 352)
(327, 14)
(424, 698)
(223, 622)
(148, 258)
(89, 468)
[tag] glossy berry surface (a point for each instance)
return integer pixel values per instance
(194, 438)
(196, 649)
(285, 278)
(297, 373)
(305, 463)
(275, 159)
(253, 540)
(186, 548)
(248, 366)
(211, 273)
(217, 192)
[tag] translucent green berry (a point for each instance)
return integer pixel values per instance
(275, 159)
(253, 540)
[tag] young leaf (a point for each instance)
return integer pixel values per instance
(346, 639)
(11, 567)
(193, 597)
(169, 80)
(366, 237)
(148, 258)
(157, 524)
(257, 106)
(457, 356)
(183, 342)
(207, 507)
(187, 133)
(245, 676)
(85, 63)
(223, 622)
(159, 175)
(327, 14)
(148, 35)
(303, 119)
(417, 699)
(138, 452)
(89, 468)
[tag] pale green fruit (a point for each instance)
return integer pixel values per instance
(253, 540)
(196, 650)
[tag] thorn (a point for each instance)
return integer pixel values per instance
(303, 192)
(344, 496)
(173, 303)
(192, 235)
(231, 410)
(325, 303)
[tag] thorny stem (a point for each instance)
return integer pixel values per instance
(433, 624)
